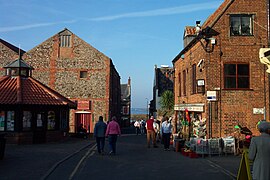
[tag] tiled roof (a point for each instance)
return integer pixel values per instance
(212, 19)
(19, 90)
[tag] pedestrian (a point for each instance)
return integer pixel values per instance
(156, 129)
(99, 134)
(259, 152)
(113, 130)
(142, 127)
(150, 132)
(166, 131)
(137, 126)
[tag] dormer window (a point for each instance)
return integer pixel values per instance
(65, 41)
(65, 38)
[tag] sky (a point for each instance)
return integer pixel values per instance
(135, 34)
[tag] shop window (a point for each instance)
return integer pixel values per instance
(10, 120)
(51, 120)
(27, 116)
(2, 120)
(241, 25)
(39, 120)
(236, 76)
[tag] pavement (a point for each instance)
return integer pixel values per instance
(36, 161)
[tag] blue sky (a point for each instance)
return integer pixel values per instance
(135, 34)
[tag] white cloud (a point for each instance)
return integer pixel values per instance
(29, 26)
(157, 12)
(160, 12)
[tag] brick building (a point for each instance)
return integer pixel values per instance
(126, 103)
(219, 79)
(75, 69)
(163, 80)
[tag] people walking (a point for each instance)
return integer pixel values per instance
(150, 132)
(166, 131)
(156, 129)
(99, 134)
(137, 126)
(142, 126)
(259, 152)
(113, 130)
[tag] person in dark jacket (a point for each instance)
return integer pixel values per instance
(99, 134)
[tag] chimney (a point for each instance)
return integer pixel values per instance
(129, 81)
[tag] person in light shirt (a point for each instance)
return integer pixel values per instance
(166, 131)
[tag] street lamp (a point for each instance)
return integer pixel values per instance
(146, 108)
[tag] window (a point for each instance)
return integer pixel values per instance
(184, 83)
(65, 41)
(194, 83)
(2, 120)
(241, 25)
(236, 76)
(83, 74)
(27, 116)
(51, 120)
(10, 120)
(179, 83)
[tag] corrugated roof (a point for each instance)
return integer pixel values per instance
(19, 90)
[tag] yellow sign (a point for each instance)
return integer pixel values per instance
(244, 172)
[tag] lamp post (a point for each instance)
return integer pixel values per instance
(146, 108)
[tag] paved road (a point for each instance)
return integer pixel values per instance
(77, 159)
(135, 161)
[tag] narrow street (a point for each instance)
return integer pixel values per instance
(135, 161)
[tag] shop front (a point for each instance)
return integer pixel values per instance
(190, 120)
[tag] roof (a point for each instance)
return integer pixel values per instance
(207, 25)
(19, 63)
(20, 90)
(12, 47)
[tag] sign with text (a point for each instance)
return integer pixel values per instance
(84, 105)
(211, 95)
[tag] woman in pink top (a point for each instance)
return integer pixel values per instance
(113, 130)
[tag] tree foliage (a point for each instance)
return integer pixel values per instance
(167, 102)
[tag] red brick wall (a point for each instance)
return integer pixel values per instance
(233, 106)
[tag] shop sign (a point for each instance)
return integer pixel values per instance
(84, 105)
(258, 110)
(211, 95)
(189, 107)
